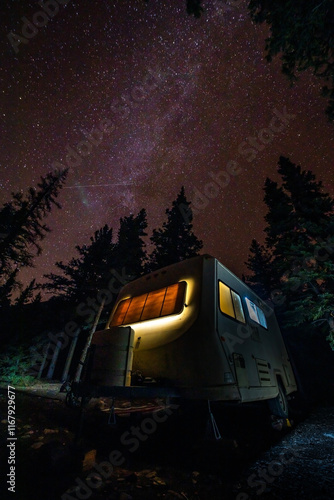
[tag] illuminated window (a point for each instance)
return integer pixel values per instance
(262, 318)
(239, 312)
(162, 302)
(230, 303)
(256, 314)
(252, 311)
(120, 313)
(173, 302)
(153, 304)
(135, 309)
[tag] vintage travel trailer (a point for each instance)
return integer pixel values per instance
(192, 330)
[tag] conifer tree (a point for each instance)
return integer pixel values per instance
(299, 251)
(259, 263)
(130, 253)
(301, 33)
(84, 275)
(22, 228)
(27, 295)
(21, 221)
(175, 241)
(312, 208)
(9, 285)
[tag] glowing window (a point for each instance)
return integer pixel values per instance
(135, 309)
(162, 302)
(230, 303)
(256, 313)
(225, 300)
(262, 318)
(120, 313)
(173, 302)
(252, 311)
(239, 312)
(153, 304)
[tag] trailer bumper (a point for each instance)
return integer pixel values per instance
(221, 393)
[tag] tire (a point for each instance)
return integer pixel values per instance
(279, 406)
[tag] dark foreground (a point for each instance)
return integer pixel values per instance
(169, 455)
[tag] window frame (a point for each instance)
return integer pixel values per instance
(257, 308)
(182, 283)
(232, 302)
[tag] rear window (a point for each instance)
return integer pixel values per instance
(156, 304)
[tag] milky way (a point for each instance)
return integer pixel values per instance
(140, 99)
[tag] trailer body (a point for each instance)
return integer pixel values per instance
(193, 330)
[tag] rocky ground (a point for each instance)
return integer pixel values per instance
(171, 454)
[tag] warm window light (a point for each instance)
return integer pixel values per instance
(225, 300)
(230, 302)
(156, 304)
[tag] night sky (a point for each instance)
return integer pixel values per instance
(178, 99)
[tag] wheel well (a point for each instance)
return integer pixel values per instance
(280, 382)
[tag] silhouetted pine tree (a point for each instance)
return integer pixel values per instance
(101, 260)
(175, 241)
(27, 295)
(300, 242)
(84, 275)
(301, 33)
(22, 228)
(130, 253)
(259, 263)
(312, 208)
(10, 284)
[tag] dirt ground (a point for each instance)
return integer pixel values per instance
(168, 455)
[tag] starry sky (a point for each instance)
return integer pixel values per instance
(166, 100)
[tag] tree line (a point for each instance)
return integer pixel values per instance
(22, 230)
(292, 268)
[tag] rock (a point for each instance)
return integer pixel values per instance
(89, 460)
(96, 479)
(37, 445)
(144, 472)
(159, 482)
(151, 474)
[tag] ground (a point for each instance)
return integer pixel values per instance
(169, 455)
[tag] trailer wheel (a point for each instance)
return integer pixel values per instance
(279, 406)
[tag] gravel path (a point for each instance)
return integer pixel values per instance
(301, 466)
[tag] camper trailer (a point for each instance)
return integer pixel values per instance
(192, 330)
